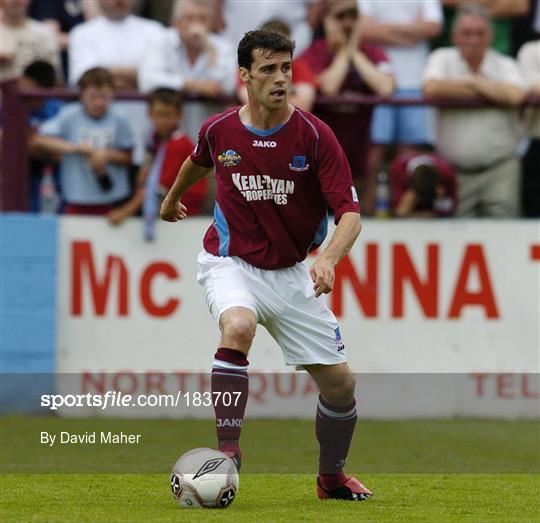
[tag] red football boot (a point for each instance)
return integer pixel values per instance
(351, 490)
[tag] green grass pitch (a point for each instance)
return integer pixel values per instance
(446, 470)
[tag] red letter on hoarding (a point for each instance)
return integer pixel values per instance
(81, 256)
(473, 257)
(426, 292)
(479, 377)
(365, 291)
(146, 282)
(505, 386)
(92, 381)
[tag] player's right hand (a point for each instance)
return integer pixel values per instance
(172, 211)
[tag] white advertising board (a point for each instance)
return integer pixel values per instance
(453, 297)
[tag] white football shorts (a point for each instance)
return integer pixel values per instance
(283, 301)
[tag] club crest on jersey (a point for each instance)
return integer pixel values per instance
(229, 158)
(265, 143)
(298, 164)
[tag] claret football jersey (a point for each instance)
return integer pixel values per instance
(274, 187)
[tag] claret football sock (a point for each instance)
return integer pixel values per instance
(230, 388)
(334, 427)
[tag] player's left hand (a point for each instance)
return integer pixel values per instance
(172, 211)
(322, 275)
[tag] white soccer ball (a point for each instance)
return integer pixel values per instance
(204, 478)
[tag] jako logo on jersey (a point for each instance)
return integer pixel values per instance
(229, 158)
(209, 466)
(264, 143)
(298, 164)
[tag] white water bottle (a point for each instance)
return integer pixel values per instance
(49, 199)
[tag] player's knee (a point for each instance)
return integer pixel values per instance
(238, 332)
(340, 392)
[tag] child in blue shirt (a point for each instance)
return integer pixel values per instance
(95, 146)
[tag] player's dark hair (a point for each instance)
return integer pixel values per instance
(41, 72)
(424, 181)
(166, 96)
(96, 77)
(269, 41)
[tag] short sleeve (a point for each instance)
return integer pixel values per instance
(335, 174)
(529, 62)
(377, 56)
(178, 149)
(509, 73)
(302, 74)
(435, 66)
(56, 126)
(202, 155)
(124, 136)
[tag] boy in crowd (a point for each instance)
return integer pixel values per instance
(95, 146)
(423, 185)
(167, 149)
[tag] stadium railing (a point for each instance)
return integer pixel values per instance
(15, 110)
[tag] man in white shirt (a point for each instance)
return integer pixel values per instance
(480, 142)
(529, 63)
(115, 40)
(23, 40)
(191, 59)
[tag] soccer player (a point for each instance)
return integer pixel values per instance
(277, 170)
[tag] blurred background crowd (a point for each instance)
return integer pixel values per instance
(474, 152)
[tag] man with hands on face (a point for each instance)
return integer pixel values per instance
(277, 170)
(344, 64)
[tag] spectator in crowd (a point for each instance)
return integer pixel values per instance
(23, 40)
(95, 146)
(501, 11)
(303, 86)
(61, 16)
(481, 142)
(39, 74)
(404, 32)
(168, 148)
(116, 40)
(529, 62)
(189, 58)
(234, 18)
(344, 64)
(422, 185)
